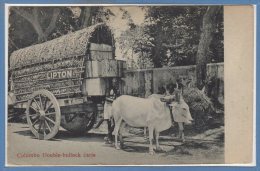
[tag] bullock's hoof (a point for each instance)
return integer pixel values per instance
(108, 142)
(159, 149)
(174, 136)
(151, 152)
(117, 147)
(122, 146)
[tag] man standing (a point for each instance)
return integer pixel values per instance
(113, 94)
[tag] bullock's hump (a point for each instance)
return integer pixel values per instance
(127, 97)
(133, 102)
(158, 96)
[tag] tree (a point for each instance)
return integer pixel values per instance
(32, 25)
(85, 17)
(31, 14)
(170, 36)
(26, 28)
(206, 37)
(134, 43)
(91, 15)
(135, 46)
(175, 32)
(45, 24)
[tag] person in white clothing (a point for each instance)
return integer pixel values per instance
(113, 94)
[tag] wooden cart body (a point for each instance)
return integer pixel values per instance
(71, 73)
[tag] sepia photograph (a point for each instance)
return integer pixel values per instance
(115, 85)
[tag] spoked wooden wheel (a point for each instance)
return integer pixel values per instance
(43, 114)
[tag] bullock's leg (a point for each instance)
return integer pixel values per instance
(158, 148)
(181, 131)
(151, 139)
(116, 130)
(121, 130)
(145, 133)
(109, 134)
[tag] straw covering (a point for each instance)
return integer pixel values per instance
(73, 44)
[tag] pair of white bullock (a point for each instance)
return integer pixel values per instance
(152, 112)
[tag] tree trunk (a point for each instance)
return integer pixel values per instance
(37, 27)
(157, 59)
(52, 24)
(209, 19)
(85, 17)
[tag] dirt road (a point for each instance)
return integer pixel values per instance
(90, 149)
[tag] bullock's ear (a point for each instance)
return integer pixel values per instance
(163, 99)
(168, 99)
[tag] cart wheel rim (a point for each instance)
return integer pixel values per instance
(43, 114)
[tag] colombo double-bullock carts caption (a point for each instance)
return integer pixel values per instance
(65, 82)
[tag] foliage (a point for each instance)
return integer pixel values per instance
(170, 36)
(134, 42)
(201, 107)
(32, 25)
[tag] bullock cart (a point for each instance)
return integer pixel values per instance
(63, 82)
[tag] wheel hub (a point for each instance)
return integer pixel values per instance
(42, 114)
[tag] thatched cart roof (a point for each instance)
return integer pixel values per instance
(73, 44)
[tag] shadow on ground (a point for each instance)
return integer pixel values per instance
(65, 135)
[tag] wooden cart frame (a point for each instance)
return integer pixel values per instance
(61, 82)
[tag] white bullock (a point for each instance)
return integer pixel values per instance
(140, 112)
